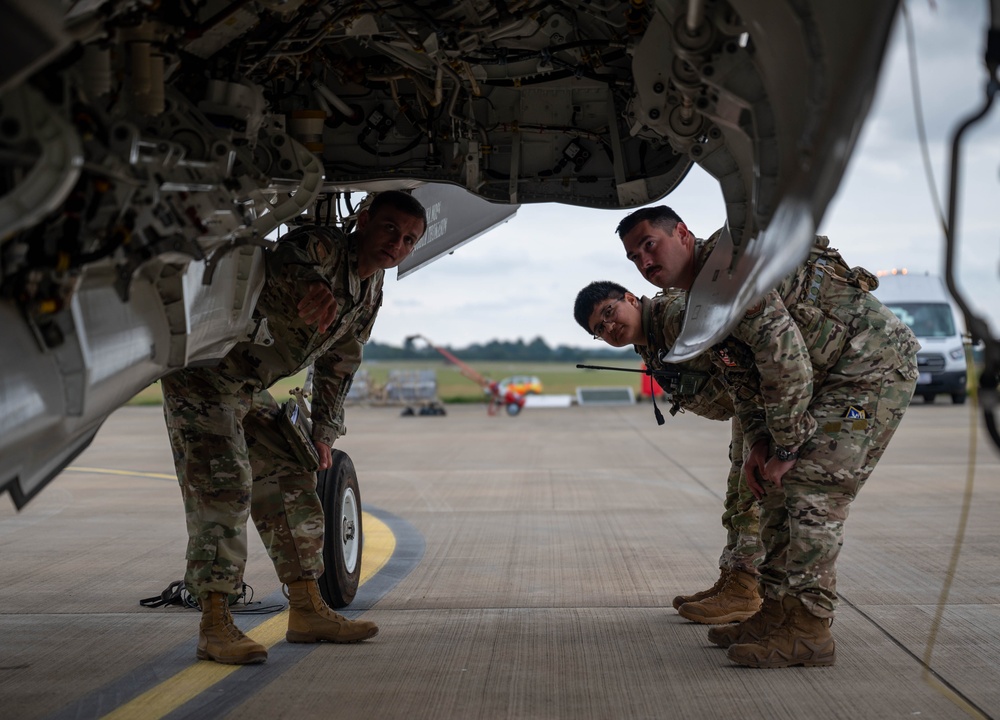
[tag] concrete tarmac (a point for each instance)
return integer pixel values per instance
(532, 568)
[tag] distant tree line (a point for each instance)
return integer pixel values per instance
(496, 350)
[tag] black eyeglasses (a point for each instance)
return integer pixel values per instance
(608, 315)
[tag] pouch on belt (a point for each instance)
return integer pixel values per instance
(297, 429)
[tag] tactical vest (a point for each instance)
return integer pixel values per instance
(825, 297)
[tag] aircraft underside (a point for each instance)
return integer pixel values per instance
(149, 149)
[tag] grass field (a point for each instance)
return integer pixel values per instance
(453, 387)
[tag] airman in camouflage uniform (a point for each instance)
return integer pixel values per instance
(734, 596)
(820, 373)
(321, 294)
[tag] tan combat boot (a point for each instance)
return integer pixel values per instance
(802, 639)
(765, 621)
(736, 601)
(220, 640)
(311, 620)
(682, 599)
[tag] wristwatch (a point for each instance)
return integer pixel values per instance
(785, 455)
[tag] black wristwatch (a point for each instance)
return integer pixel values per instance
(785, 455)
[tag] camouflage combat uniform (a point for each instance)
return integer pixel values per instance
(231, 458)
(818, 365)
(740, 516)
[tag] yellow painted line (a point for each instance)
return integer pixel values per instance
(199, 677)
(379, 546)
(127, 473)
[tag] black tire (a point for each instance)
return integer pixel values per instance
(929, 398)
(513, 409)
(338, 492)
(958, 398)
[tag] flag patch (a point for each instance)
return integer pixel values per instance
(724, 356)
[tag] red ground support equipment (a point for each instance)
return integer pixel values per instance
(509, 400)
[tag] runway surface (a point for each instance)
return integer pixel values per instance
(530, 568)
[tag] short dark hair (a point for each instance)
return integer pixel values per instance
(588, 298)
(399, 200)
(661, 215)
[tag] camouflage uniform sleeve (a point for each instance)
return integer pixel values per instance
(752, 420)
(786, 374)
(303, 256)
(332, 378)
(335, 369)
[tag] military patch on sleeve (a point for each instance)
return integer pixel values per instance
(724, 356)
(855, 413)
(755, 310)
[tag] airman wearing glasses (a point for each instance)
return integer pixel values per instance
(610, 313)
(820, 373)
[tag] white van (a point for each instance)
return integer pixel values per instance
(923, 303)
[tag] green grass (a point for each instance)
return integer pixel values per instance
(453, 387)
(557, 378)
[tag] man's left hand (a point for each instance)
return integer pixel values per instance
(325, 455)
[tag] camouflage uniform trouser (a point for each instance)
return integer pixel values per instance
(802, 522)
(231, 462)
(740, 518)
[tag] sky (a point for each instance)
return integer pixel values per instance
(520, 280)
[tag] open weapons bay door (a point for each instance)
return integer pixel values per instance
(454, 218)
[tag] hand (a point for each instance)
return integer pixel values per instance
(318, 306)
(325, 455)
(754, 468)
(775, 469)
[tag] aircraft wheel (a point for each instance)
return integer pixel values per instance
(513, 409)
(338, 492)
